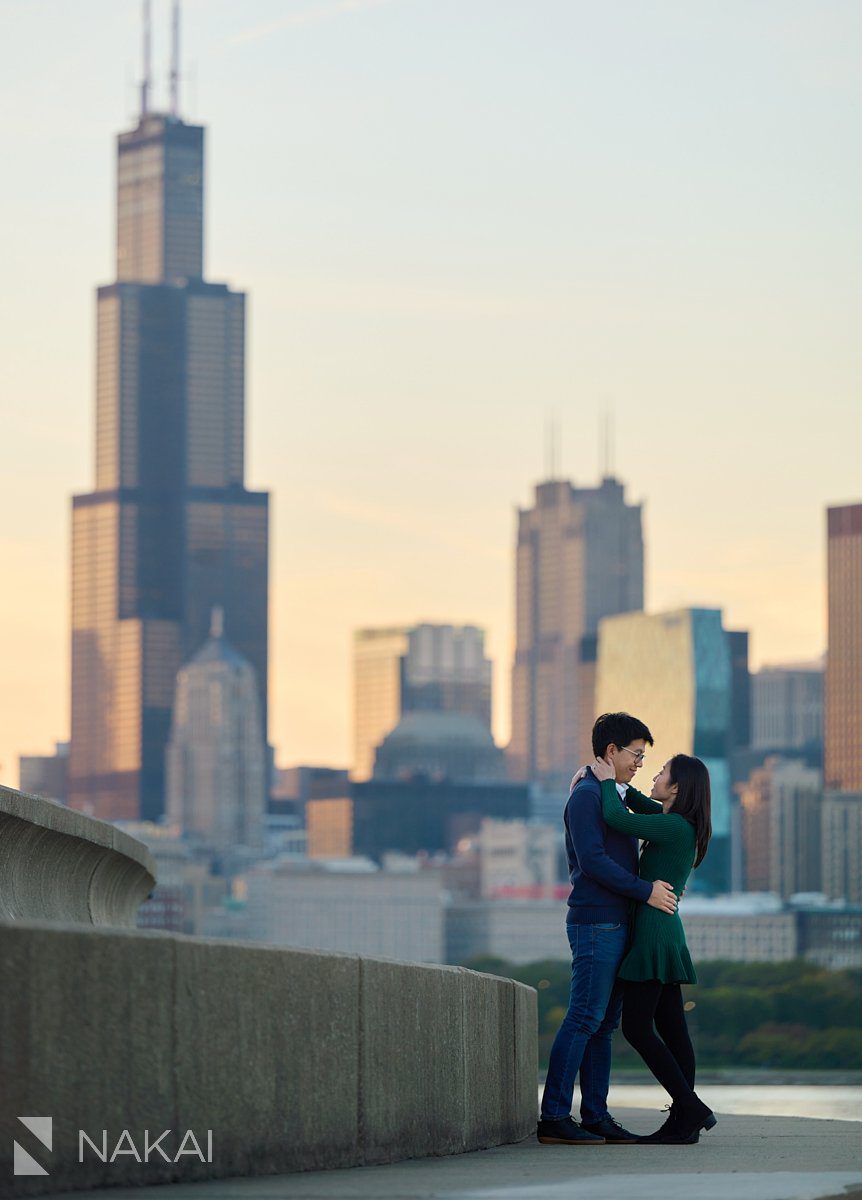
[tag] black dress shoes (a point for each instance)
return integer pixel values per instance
(612, 1132)
(565, 1132)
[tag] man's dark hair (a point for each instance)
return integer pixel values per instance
(617, 729)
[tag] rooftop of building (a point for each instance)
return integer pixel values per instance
(428, 728)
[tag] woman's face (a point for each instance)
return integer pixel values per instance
(663, 789)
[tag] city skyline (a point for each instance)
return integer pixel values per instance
(446, 299)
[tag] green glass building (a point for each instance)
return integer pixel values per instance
(675, 671)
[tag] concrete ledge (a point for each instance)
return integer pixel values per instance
(412, 1025)
(58, 864)
(295, 1060)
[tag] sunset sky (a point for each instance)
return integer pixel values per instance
(453, 218)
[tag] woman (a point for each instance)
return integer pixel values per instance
(675, 826)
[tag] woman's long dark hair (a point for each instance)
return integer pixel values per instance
(693, 798)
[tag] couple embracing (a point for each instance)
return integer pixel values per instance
(629, 955)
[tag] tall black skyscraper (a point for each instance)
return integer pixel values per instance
(170, 530)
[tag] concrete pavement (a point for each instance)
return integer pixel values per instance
(743, 1158)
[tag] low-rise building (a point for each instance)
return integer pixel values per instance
(516, 858)
(518, 931)
(842, 846)
(741, 928)
(421, 814)
(349, 905)
(45, 775)
(186, 887)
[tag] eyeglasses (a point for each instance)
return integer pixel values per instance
(637, 755)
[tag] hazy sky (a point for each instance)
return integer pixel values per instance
(453, 216)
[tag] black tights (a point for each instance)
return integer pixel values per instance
(668, 1053)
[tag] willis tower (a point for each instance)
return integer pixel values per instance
(170, 530)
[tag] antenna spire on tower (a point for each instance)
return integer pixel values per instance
(607, 443)
(217, 621)
(552, 444)
(175, 59)
(146, 81)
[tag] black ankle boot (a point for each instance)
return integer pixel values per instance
(665, 1133)
(694, 1117)
(669, 1134)
(652, 1139)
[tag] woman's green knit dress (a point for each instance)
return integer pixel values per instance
(657, 949)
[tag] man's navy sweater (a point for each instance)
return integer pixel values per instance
(603, 864)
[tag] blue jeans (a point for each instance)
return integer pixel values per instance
(583, 1043)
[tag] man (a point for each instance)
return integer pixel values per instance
(603, 870)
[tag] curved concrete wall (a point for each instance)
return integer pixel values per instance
(295, 1060)
(58, 864)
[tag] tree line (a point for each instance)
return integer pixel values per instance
(774, 1015)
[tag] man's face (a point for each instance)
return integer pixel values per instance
(627, 759)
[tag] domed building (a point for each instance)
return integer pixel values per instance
(440, 745)
(216, 758)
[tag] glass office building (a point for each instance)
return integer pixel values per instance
(674, 671)
(170, 531)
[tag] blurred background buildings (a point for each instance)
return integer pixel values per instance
(434, 843)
